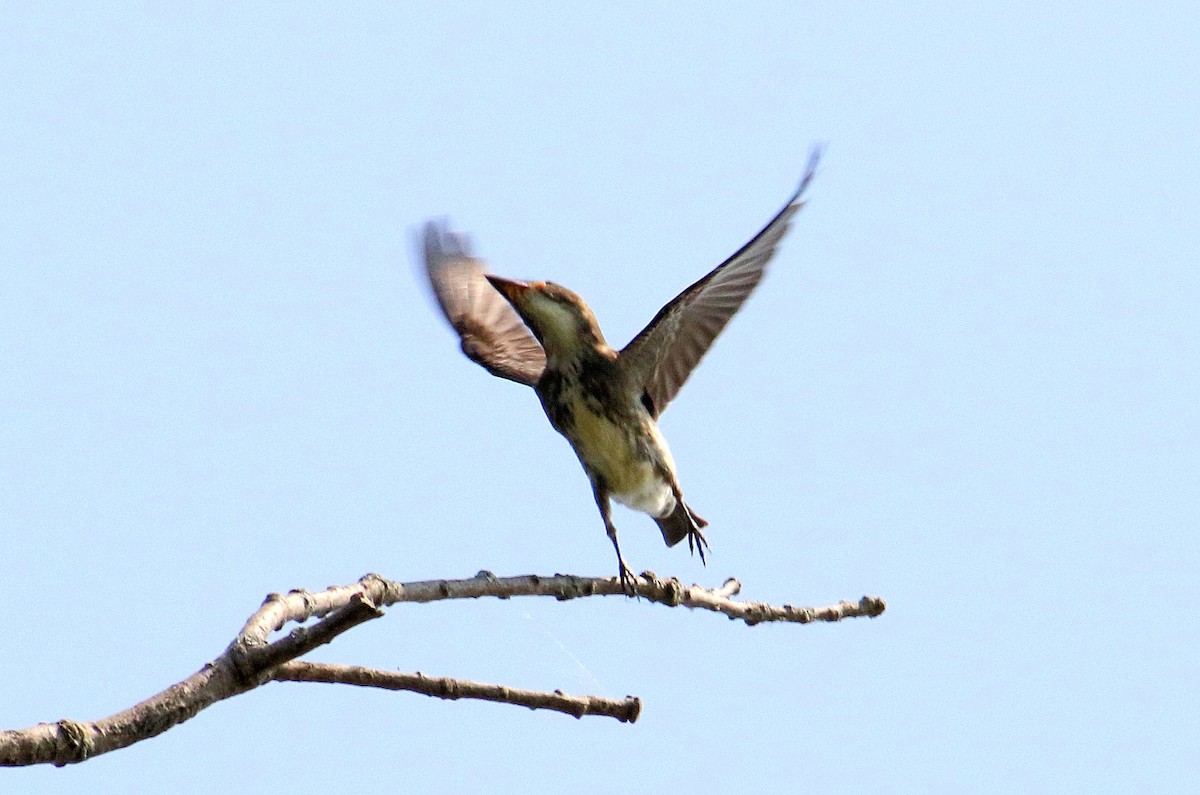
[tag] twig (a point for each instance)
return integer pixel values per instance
(625, 710)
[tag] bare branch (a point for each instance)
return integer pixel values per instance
(625, 710)
(253, 659)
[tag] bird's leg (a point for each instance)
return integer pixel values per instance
(626, 576)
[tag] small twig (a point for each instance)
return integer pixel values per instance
(625, 710)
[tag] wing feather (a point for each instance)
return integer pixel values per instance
(492, 333)
(662, 356)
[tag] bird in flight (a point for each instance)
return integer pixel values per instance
(605, 402)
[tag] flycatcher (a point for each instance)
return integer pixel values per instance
(605, 402)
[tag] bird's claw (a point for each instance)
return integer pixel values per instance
(628, 579)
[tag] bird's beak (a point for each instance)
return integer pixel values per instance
(512, 290)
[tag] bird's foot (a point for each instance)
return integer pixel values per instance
(628, 578)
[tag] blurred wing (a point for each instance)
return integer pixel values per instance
(664, 354)
(491, 330)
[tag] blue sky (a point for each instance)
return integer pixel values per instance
(968, 385)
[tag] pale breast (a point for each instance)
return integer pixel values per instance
(630, 459)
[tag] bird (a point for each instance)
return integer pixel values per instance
(606, 403)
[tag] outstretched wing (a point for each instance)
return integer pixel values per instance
(492, 332)
(664, 354)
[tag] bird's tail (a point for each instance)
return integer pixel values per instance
(680, 524)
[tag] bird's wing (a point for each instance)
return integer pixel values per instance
(492, 332)
(664, 354)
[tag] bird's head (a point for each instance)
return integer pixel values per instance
(559, 318)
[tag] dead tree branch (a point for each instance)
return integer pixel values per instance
(254, 659)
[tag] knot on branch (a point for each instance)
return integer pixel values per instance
(72, 743)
